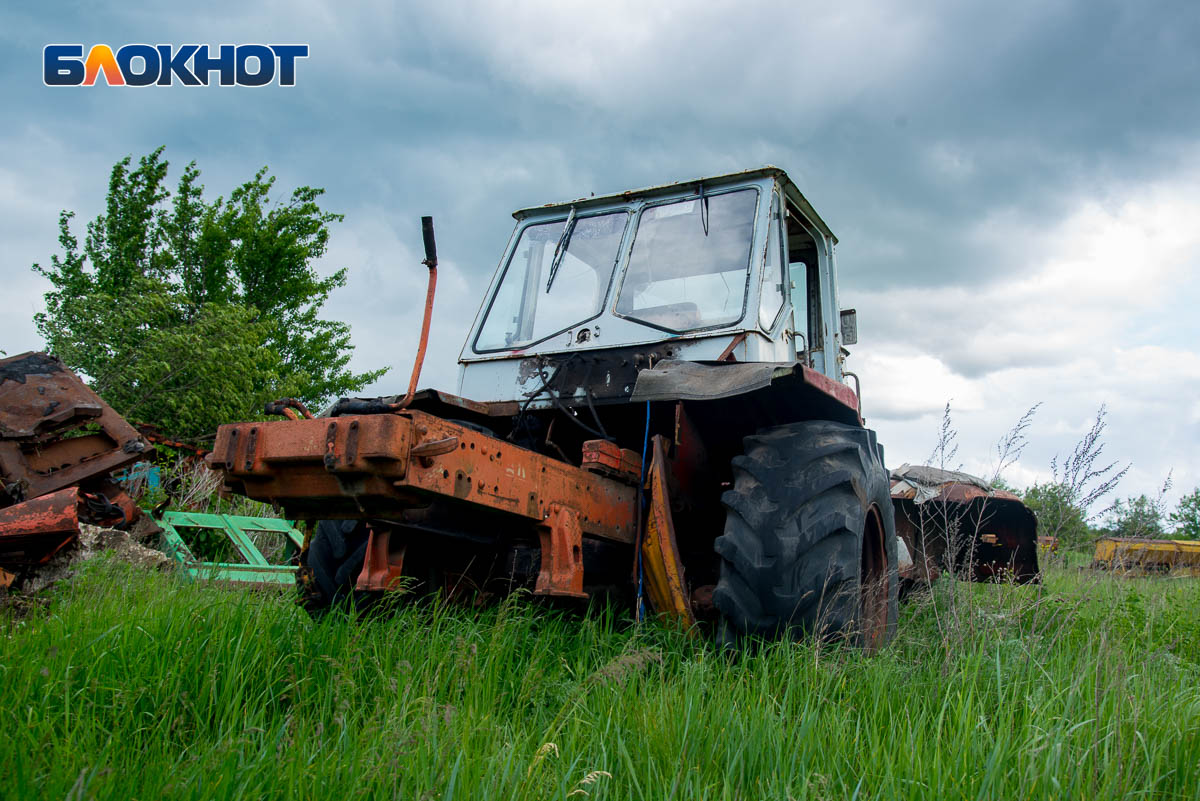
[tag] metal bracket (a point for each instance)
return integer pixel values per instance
(383, 566)
(561, 538)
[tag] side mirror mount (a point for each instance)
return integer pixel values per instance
(849, 326)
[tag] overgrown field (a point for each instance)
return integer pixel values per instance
(129, 684)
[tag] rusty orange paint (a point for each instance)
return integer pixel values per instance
(383, 564)
(561, 537)
(41, 402)
(430, 261)
(34, 531)
(727, 354)
(609, 459)
(834, 389)
(364, 466)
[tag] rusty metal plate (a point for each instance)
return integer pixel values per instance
(56, 432)
(367, 466)
(33, 531)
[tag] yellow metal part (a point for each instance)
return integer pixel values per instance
(665, 585)
(1047, 546)
(1148, 556)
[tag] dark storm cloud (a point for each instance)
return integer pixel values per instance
(1017, 110)
(948, 144)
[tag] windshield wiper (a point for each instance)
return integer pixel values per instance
(560, 249)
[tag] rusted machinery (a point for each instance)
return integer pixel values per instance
(659, 416)
(1133, 556)
(955, 521)
(58, 444)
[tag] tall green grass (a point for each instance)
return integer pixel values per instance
(136, 685)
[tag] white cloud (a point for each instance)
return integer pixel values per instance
(950, 161)
(1068, 328)
(1076, 287)
(903, 383)
(925, 123)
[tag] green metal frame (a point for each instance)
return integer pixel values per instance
(255, 570)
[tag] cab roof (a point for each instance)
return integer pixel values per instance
(790, 191)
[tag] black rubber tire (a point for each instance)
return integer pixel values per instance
(792, 553)
(333, 560)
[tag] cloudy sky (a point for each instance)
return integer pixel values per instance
(1016, 186)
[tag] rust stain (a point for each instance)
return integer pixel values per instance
(43, 406)
(305, 465)
(31, 533)
(561, 539)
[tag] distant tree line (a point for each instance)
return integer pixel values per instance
(1140, 516)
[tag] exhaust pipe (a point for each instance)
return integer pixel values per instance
(430, 262)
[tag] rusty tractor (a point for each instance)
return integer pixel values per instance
(651, 407)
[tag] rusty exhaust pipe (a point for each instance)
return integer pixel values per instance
(430, 262)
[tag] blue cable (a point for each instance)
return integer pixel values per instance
(641, 608)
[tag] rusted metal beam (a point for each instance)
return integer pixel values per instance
(371, 466)
(727, 354)
(31, 533)
(431, 262)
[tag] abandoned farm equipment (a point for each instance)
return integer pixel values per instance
(956, 521)
(231, 548)
(657, 414)
(1136, 556)
(59, 443)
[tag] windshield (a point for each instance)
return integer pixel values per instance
(528, 306)
(689, 262)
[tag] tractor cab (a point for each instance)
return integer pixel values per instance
(735, 267)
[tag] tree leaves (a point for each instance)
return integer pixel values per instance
(1059, 514)
(187, 313)
(1186, 517)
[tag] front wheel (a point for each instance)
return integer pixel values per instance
(330, 565)
(810, 542)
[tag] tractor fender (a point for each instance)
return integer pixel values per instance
(674, 380)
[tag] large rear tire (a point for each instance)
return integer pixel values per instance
(331, 564)
(810, 539)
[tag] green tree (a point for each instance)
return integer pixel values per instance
(187, 313)
(1001, 483)
(1058, 514)
(1186, 517)
(1137, 517)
